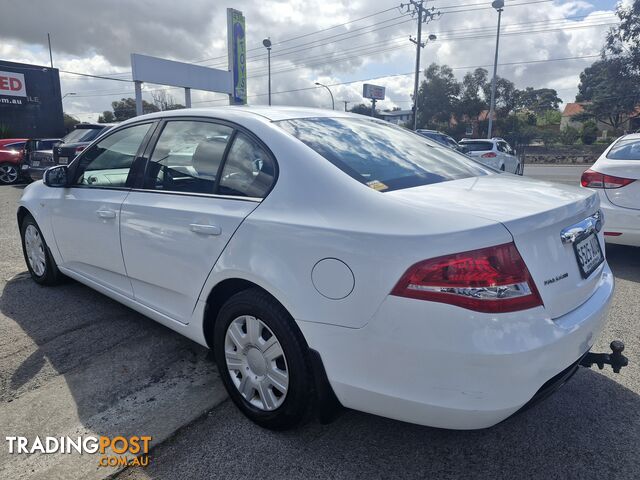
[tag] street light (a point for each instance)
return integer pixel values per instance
(267, 43)
(67, 94)
(333, 105)
(498, 5)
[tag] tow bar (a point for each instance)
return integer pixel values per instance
(615, 359)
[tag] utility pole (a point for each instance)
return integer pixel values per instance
(50, 54)
(267, 44)
(416, 9)
(345, 104)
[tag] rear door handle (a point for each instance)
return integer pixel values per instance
(205, 229)
(106, 213)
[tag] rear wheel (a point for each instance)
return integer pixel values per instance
(502, 167)
(42, 267)
(8, 173)
(263, 360)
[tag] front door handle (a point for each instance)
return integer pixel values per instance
(205, 229)
(106, 213)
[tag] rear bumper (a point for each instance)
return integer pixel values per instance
(620, 220)
(443, 366)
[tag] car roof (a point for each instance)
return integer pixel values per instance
(270, 113)
(630, 136)
(486, 140)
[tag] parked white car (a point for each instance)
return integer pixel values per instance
(496, 153)
(616, 177)
(328, 257)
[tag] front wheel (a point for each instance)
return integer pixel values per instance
(42, 267)
(8, 173)
(263, 360)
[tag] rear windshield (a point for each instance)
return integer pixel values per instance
(625, 149)
(381, 155)
(82, 135)
(478, 146)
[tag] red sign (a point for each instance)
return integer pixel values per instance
(12, 84)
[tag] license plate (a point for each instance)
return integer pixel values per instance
(589, 254)
(63, 160)
(35, 163)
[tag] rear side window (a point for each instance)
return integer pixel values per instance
(381, 155)
(625, 149)
(478, 146)
(187, 157)
(248, 170)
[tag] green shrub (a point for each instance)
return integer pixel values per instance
(589, 133)
(569, 136)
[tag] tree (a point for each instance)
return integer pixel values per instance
(437, 95)
(69, 122)
(549, 117)
(125, 109)
(164, 101)
(569, 135)
(623, 40)
(472, 103)
(507, 96)
(362, 109)
(589, 132)
(539, 100)
(107, 117)
(611, 91)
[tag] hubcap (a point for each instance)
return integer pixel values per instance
(8, 173)
(34, 247)
(256, 363)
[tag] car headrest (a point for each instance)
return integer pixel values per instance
(208, 156)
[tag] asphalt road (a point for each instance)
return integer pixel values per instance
(74, 361)
(567, 174)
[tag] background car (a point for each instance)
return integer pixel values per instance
(77, 140)
(11, 157)
(38, 156)
(442, 139)
(495, 152)
(616, 177)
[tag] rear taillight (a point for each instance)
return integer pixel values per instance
(79, 149)
(593, 179)
(489, 155)
(493, 280)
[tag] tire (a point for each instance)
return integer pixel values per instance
(9, 173)
(37, 256)
(249, 324)
(502, 167)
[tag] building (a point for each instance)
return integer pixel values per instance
(30, 101)
(630, 124)
(398, 117)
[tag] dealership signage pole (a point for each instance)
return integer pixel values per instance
(237, 56)
(373, 92)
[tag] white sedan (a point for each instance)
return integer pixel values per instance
(616, 177)
(329, 258)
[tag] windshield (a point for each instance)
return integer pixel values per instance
(625, 149)
(478, 146)
(381, 155)
(82, 135)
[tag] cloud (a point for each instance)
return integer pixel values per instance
(97, 37)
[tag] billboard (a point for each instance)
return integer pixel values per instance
(179, 74)
(374, 92)
(12, 84)
(30, 101)
(237, 56)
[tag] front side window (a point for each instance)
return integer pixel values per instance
(82, 135)
(381, 155)
(108, 162)
(248, 170)
(625, 149)
(187, 157)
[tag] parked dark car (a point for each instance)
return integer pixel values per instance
(38, 156)
(442, 139)
(11, 157)
(76, 140)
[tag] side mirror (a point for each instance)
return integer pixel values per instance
(56, 177)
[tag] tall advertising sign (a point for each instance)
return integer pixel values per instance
(237, 56)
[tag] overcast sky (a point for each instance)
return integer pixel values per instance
(94, 36)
